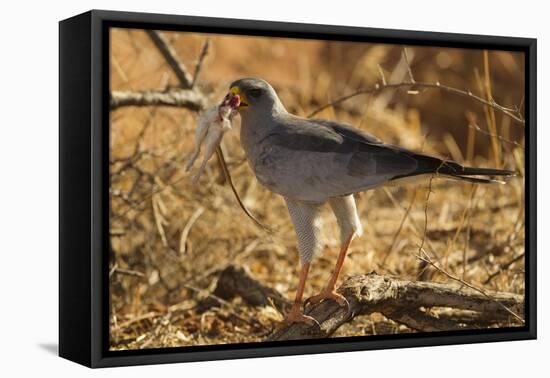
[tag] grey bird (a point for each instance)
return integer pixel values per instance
(311, 162)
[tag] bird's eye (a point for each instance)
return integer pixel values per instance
(255, 93)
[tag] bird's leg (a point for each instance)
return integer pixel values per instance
(296, 314)
(329, 292)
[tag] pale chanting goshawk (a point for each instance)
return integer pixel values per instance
(311, 162)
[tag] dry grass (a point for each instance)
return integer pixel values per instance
(159, 280)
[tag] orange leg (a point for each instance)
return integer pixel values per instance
(296, 315)
(328, 292)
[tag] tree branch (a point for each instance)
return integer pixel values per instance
(184, 98)
(512, 113)
(171, 57)
(405, 302)
(200, 61)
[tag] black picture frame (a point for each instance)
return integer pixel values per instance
(84, 186)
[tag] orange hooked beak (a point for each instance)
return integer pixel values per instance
(236, 92)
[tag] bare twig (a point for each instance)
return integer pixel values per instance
(409, 70)
(171, 58)
(200, 62)
(187, 229)
(159, 219)
(129, 272)
(398, 231)
(466, 245)
(491, 119)
(465, 213)
(512, 113)
(135, 319)
(426, 202)
(504, 267)
(382, 76)
(422, 268)
(411, 221)
(473, 125)
(120, 70)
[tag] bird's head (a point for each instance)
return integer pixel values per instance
(255, 95)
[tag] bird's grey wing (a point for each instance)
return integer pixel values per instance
(348, 131)
(314, 160)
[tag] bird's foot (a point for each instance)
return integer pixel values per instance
(296, 315)
(327, 294)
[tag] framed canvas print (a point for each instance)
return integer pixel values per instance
(234, 188)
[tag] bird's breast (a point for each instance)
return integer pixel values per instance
(250, 136)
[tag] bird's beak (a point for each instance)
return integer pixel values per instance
(235, 91)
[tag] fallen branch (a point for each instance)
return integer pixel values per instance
(405, 302)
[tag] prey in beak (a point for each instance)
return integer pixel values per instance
(232, 100)
(213, 123)
(236, 92)
(229, 106)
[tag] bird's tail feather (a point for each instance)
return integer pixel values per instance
(451, 169)
(476, 180)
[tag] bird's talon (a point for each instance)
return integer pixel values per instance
(348, 307)
(327, 294)
(297, 316)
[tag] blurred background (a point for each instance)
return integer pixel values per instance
(170, 238)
